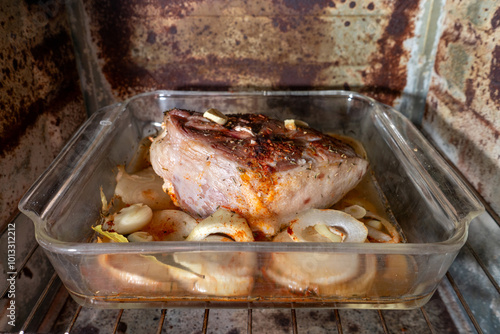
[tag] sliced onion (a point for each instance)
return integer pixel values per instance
(225, 222)
(171, 225)
(135, 274)
(325, 274)
(217, 238)
(216, 273)
(108, 236)
(355, 231)
(104, 202)
(333, 274)
(142, 187)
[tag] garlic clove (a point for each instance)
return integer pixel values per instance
(393, 232)
(215, 116)
(292, 124)
(132, 218)
(376, 224)
(323, 230)
(140, 236)
(378, 235)
(356, 211)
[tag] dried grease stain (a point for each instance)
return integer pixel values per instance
(305, 7)
(495, 20)
(494, 76)
(388, 77)
(54, 49)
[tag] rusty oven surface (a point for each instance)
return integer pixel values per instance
(238, 45)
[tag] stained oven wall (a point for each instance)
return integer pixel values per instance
(376, 47)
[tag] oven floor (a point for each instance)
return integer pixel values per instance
(431, 318)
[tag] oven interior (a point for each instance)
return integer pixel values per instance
(437, 62)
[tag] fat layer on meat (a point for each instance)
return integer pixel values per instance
(253, 165)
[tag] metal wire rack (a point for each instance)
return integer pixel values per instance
(467, 301)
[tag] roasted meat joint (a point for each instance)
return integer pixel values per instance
(262, 168)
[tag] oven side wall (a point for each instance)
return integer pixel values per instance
(41, 103)
(463, 104)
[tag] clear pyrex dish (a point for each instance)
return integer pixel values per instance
(429, 201)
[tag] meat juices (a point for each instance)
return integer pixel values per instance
(253, 165)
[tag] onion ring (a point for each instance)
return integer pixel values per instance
(225, 222)
(355, 231)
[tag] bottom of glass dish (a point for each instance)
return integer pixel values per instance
(120, 302)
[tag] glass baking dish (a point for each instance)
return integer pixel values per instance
(428, 200)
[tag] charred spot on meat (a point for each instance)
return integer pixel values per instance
(265, 169)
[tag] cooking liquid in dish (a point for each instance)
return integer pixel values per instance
(134, 277)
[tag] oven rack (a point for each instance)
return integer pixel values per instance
(467, 300)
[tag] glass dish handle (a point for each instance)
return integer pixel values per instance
(65, 168)
(453, 194)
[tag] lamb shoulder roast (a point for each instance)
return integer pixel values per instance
(253, 165)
